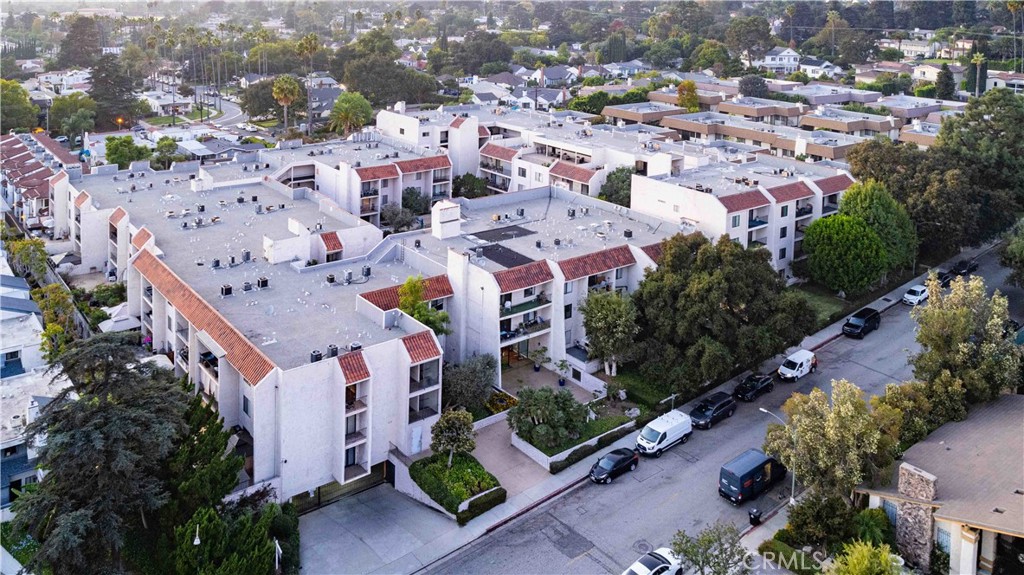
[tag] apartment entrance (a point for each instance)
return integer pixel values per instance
(516, 354)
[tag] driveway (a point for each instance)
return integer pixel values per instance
(514, 470)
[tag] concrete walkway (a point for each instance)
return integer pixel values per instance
(9, 565)
(512, 467)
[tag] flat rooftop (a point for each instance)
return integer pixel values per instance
(762, 102)
(17, 392)
(721, 177)
(824, 89)
(644, 107)
(511, 242)
(819, 137)
(837, 113)
(299, 312)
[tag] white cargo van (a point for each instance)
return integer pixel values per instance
(664, 432)
(798, 365)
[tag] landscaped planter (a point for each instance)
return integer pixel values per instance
(554, 463)
(490, 420)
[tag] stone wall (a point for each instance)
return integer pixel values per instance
(914, 522)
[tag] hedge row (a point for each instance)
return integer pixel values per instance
(584, 451)
(450, 487)
(481, 505)
(788, 558)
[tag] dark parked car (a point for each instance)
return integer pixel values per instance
(613, 464)
(945, 278)
(965, 267)
(753, 386)
(862, 323)
(713, 409)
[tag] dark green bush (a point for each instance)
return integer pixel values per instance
(784, 535)
(577, 455)
(610, 438)
(109, 295)
(872, 525)
(481, 505)
(821, 521)
(285, 527)
(451, 486)
(939, 562)
(785, 556)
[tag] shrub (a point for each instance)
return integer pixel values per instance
(451, 486)
(821, 521)
(577, 455)
(547, 419)
(285, 528)
(500, 401)
(640, 390)
(939, 562)
(482, 505)
(788, 558)
(108, 295)
(872, 526)
(784, 535)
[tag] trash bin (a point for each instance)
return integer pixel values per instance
(755, 516)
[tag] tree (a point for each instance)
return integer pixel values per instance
(820, 520)
(874, 205)
(112, 91)
(547, 418)
(397, 217)
(945, 87)
(711, 54)
(844, 253)
(610, 322)
(716, 550)
(236, 541)
(826, 444)
(799, 76)
(351, 112)
(890, 55)
(710, 308)
(81, 45)
(54, 341)
(977, 68)
(17, 111)
(102, 454)
(1012, 254)
(258, 100)
(307, 47)
(286, 90)
(412, 302)
(863, 558)
(78, 124)
(185, 90)
(414, 200)
(753, 86)
(478, 48)
(166, 151)
(468, 384)
(617, 186)
(453, 433)
(28, 257)
(469, 186)
(122, 150)
(750, 36)
(63, 107)
(382, 81)
(687, 96)
(964, 333)
(911, 400)
(57, 306)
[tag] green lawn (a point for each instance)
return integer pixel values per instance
(638, 389)
(22, 548)
(266, 123)
(824, 304)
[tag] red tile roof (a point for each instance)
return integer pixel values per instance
(58, 151)
(597, 262)
(436, 287)
(743, 201)
(572, 172)
(81, 199)
(654, 251)
(523, 276)
(421, 346)
(240, 352)
(117, 215)
(483, 132)
(38, 191)
(495, 151)
(424, 164)
(331, 242)
(141, 237)
(377, 172)
(354, 367)
(457, 122)
(834, 184)
(791, 192)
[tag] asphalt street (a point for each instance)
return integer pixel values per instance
(604, 528)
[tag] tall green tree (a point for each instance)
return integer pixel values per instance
(411, 301)
(469, 384)
(687, 96)
(873, 204)
(81, 45)
(307, 47)
(286, 90)
(102, 454)
(112, 91)
(122, 150)
(28, 257)
(945, 86)
(750, 36)
(1012, 255)
(77, 124)
(609, 319)
(63, 107)
(716, 550)
(166, 150)
(17, 112)
(753, 86)
(844, 253)
(710, 308)
(616, 187)
(964, 333)
(453, 432)
(237, 542)
(351, 112)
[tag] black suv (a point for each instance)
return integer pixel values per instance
(713, 409)
(753, 386)
(965, 267)
(862, 323)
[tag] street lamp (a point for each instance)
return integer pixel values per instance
(793, 487)
(195, 542)
(120, 121)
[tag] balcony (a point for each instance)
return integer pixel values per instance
(526, 329)
(355, 472)
(353, 438)
(372, 192)
(147, 294)
(419, 415)
(416, 385)
(525, 306)
(756, 222)
(356, 405)
(498, 185)
(496, 168)
(829, 209)
(438, 178)
(799, 233)
(804, 211)
(210, 363)
(365, 209)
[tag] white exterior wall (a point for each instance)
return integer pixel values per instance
(464, 146)
(660, 199)
(307, 417)
(95, 239)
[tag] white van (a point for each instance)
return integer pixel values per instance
(798, 365)
(664, 432)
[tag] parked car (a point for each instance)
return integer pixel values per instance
(945, 278)
(753, 386)
(61, 139)
(965, 267)
(862, 323)
(916, 295)
(614, 464)
(798, 365)
(664, 432)
(658, 562)
(748, 475)
(712, 409)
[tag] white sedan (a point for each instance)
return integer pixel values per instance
(916, 295)
(658, 562)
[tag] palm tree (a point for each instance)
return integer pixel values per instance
(899, 36)
(977, 60)
(790, 12)
(351, 111)
(1015, 6)
(308, 47)
(285, 91)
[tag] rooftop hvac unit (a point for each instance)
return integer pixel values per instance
(255, 198)
(558, 242)
(216, 263)
(416, 244)
(539, 244)
(358, 164)
(754, 182)
(280, 206)
(191, 176)
(240, 200)
(262, 283)
(332, 350)
(585, 210)
(246, 286)
(184, 225)
(330, 278)
(266, 165)
(520, 212)
(496, 218)
(315, 356)
(246, 256)
(355, 346)
(231, 260)
(366, 271)
(259, 208)
(348, 276)
(572, 213)
(225, 290)
(627, 234)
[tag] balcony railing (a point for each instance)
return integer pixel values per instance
(804, 211)
(761, 243)
(524, 306)
(354, 472)
(367, 209)
(357, 404)
(438, 178)
(421, 414)
(369, 193)
(496, 168)
(498, 185)
(756, 222)
(829, 209)
(526, 328)
(420, 385)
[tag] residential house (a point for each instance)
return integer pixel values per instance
(506, 80)
(167, 103)
(930, 72)
(550, 76)
(816, 68)
(537, 98)
(626, 69)
(911, 48)
(1013, 81)
(321, 100)
(249, 79)
(779, 60)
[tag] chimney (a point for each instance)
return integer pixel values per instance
(444, 220)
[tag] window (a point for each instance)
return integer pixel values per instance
(386, 183)
(419, 176)
(568, 310)
(782, 232)
(522, 172)
(619, 273)
(537, 176)
(401, 131)
(782, 253)
(528, 292)
(245, 405)
(568, 287)
(890, 511)
(785, 211)
(437, 304)
(941, 538)
(735, 221)
(425, 134)
(12, 355)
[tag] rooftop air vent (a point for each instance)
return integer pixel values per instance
(416, 244)
(627, 234)
(558, 242)
(216, 263)
(332, 350)
(520, 212)
(366, 271)
(225, 290)
(255, 198)
(355, 346)
(246, 286)
(539, 244)
(246, 256)
(262, 283)
(330, 278)
(315, 356)
(347, 275)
